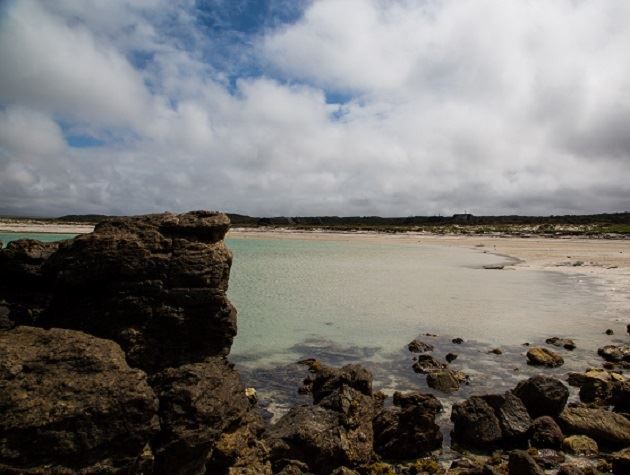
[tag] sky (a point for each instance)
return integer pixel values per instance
(307, 107)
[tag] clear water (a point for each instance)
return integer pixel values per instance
(6, 238)
(380, 296)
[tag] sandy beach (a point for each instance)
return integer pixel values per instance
(26, 226)
(605, 262)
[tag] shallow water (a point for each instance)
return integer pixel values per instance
(6, 238)
(343, 302)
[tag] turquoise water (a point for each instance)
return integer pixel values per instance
(377, 297)
(6, 238)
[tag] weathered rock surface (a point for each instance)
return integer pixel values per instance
(539, 356)
(621, 396)
(603, 426)
(475, 423)
(596, 385)
(69, 403)
(417, 346)
(427, 364)
(621, 462)
(155, 284)
(542, 395)
(408, 430)
(615, 353)
(444, 380)
(207, 420)
(546, 433)
(512, 414)
(580, 445)
(336, 431)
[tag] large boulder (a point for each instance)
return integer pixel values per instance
(155, 284)
(545, 433)
(202, 406)
(336, 431)
(604, 426)
(475, 423)
(69, 403)
(542, 395)
(512, 414)
(596, 385)
(408, 429)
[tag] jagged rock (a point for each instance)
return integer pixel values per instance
(546, 433)
(512, 414)
(427, 364)
(621, 462)
(614, 353)
(202, 406)
(327, 380)
(408, 430)
(521, 463)
(596, 385)
(417, 346)
(601, 425)
(444, 380)
(542, 395)
(580, 445)
(70, 403)
(155, 284)
(539, 356)
(475, 423)
(565, 343)
(337, 430)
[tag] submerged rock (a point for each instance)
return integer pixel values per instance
(539, 356)
(542, 395)
(565, 343)
(70, 403)
(417, 346)
(427, 364)
(615, 353)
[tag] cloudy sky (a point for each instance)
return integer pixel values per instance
(298, 107)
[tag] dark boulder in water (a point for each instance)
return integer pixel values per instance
(542, 395)
(539, 356)
(417, 346)
(615, 353)
(70, 403)
(475, 423)
(427, 364)
(565, 343)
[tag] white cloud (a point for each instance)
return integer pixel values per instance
(495, 106)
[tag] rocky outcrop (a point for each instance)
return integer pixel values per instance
(426, 364)
(417, 346)
(336, 431)
(408, 429)
(615, 353)
(603, 426)
(539, 356)
(70, 403)
(542, 395)
(201, 406)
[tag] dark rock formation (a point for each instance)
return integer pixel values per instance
(450, 357)
(458, 341)
(408, 430)
(336, 431)
(539, 356)
(565, 343)
(542, 395)
(202, 404)
(417, 346)
(426, 364)
(155, 284)
(445, 380)
(521, 463)
(621, 396)
(69, 403)
(23, 282)
(596, 385)
(512, 414)
(546, 433)
(603, 426)
(621, 462)
(476, 424)
(615, 353)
